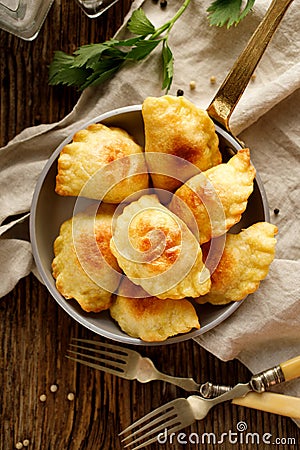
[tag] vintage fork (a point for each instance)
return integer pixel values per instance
(127, 363)
(169, 418)
(180, 413)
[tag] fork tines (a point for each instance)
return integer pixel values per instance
(166, 419)
(112, 358)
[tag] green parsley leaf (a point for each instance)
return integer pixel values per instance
(128, 42)
(168, 66)
(61, 60)
(140, 24)
(95, 63)
(230, 12)
(61, 71)
(247, 9)
(85, 53)
(101, 75)
(142, 49)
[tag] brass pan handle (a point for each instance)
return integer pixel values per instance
(236, 81)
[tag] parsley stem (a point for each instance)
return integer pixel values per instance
(168, 25)
(95, 63)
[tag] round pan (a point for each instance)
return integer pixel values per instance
(49, 210)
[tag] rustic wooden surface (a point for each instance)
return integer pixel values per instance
(35, 331)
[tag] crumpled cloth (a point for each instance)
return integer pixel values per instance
(265, 330)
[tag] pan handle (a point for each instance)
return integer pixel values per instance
(236, 81)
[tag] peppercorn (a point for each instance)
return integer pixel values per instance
(180, 93)
(276, 211)
(163, 3)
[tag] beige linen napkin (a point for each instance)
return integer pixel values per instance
(266, 328)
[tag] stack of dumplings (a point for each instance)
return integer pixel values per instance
(146, 249)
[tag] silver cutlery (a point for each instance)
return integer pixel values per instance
(129, 364)
(181, 412)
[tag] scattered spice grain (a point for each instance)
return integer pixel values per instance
(276, 211)
(180, 93)
(43, 398)
(71, 396)
(213, 80)
(192, 85)
(53, 388)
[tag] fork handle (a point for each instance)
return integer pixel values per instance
(270, 402)
(291, 368)
(148, 372)
(285, 371)
(188, 384)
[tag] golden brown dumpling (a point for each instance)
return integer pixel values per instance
(175, 126)
(217, 197)
(83, 266)
(152, 319)
(244, 263)
(101, 163)
(157, 251)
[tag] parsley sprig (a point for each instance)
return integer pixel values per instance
(93, 64)
(228, 12)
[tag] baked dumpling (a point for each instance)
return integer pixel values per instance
(101, 163)
(244, 263)
(157, 251)
(175, 126)
(83, 266)
(217, 197)
(152, 319)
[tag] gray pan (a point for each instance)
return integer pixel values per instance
(49, 210)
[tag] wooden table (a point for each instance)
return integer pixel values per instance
(35, 331)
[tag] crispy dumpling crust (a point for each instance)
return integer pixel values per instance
(158, 247)
(217, 197)
(157, 251)
(175, 126)
(78, 265)
(152, 319)
(244, 263)
(99, 164)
